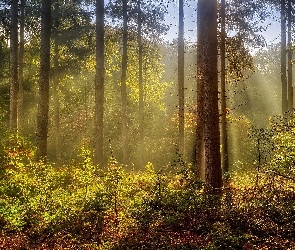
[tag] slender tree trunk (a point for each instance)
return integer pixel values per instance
(56, 79)
(224, 151)
(208, 78)
(283, 58)
(123, 85)
(13, 66)
(140, 83)
(99, 84)
(290, 64)
(181, 79)
(21, 66)
(44, 72)
(200, 152)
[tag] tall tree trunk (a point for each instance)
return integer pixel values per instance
(224, 151)
(20, 111)
(123, 85)
(99, 84)
(181, 79)
(44, 72)
(200, 150)
(208, 78)
(13, 66)
(283, 58)
(140, 83)
(55, 80)
(290, 64)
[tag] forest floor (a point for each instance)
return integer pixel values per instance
(245, 217)
(82, 207)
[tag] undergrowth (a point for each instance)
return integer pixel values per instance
(79, 206)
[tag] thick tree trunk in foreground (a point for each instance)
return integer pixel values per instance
(99, 84)
(207, 55)
(123, 85)
(181, 79)
(283, 58)
(200, 152)
(224, 148)
(44, 71)
(13, 66)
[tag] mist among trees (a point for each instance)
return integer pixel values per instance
(117, 134)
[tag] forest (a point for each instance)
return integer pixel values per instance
(143, 124)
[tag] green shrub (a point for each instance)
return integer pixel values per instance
(39, 197)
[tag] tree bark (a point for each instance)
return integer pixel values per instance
(13, 66)
(55, 80)
(140, 83)
(283, 58)
(200, 152)
(290, 64)
(20, 111)
(99, 84)
(181, 79)
(44, 72)
(224, 147)
(208, 78)
(123, 85)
